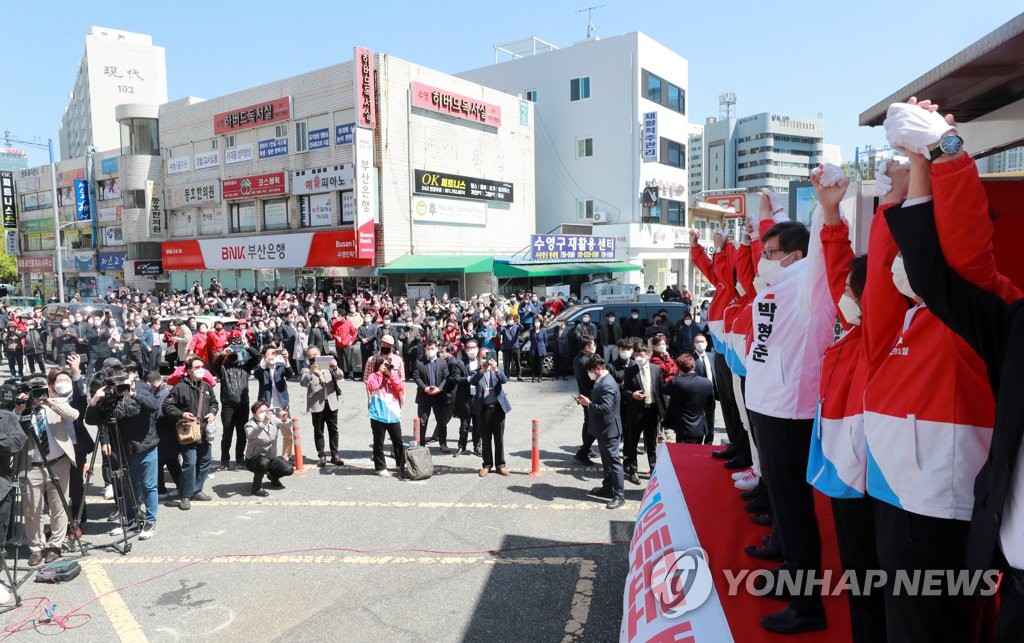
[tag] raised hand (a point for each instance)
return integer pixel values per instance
(915, 126)
(829, 184)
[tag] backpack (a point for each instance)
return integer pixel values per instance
(59, 571)
(418, 463)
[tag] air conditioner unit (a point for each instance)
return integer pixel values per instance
(600, 217)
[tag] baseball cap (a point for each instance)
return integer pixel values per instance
(387, 339)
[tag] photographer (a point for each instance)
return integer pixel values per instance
(192, 399)
(233, 368)
(12, 442)
(51, 420)
(261, 457)
(272, 374)
(14, 349)
(35, 347)
(133, 408)
(323, 399)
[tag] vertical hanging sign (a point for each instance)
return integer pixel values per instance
(366, 197)
(365, 115)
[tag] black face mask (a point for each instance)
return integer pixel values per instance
(385, 350)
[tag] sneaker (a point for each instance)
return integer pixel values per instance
(383, 473)
(275, 484)
(119, 531)
(210, 476)
(113, 516)
(201, 497)
(261, 492)
(184, 504)
(169, 495)
(108, 492)
(739, 474)
(148, 529)
(747, 482)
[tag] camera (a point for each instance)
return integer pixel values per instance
(387, 365)
(35, 388)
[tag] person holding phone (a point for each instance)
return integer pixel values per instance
(323, 399)
(491, 405)
(386, 393)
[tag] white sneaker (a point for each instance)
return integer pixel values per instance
(384, 473)
(108, 492)
(210, 476)
(4, 594)
(748, 482)
(148, 529)
(741, 474)
(118, 531)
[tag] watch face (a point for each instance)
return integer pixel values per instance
(951, 144)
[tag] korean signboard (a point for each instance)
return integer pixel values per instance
(110, 260)
(736, 200)
(35, 226)
(238, 154)
(327, 179)
(83, 211)
(108, 166)
(365, 194)
(650, 136)
(193, 194)
(207, 159)
(452, 104)
(179, 165)
(317, 211)
(109, 215)
(365, 114)
(108, 189)
(247, 187)
(148, 268)
(268, 251)
(319, 138)
(11, 242)
(35, 264)
(273, 147)
(430, 210)
(273, 111)
(343, 134)
(156, 211)
(571, 247)
(467, 187)
(69, 177)
(9, 199)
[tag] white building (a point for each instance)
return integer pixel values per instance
(372, 167)
(1011, 160)
(696, 158)
(117, 67)
(611, 120)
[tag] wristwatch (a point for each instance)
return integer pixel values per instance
(949, 144)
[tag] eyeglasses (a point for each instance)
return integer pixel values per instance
(768, 252)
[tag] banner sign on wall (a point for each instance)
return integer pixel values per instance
(650, 136)
(11, 242)
(366, 196)
(365, 114)
(449, 103)
(83, 211)
(110, 260)
(319, 138)
(323, 179)
(265, 113)
(343, 134)
(467, 187)
(269, 251)
(207, 159)
(35, 264)
(179, 165)
(571, 247)
(429, 210)
(108, 166)
(317, 211)
(9, 199)
(238, 154)
(148, 268)
(273, 147)
(247, 187)
(193, 194)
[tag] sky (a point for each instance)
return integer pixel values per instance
(797, 58)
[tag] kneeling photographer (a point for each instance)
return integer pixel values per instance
(132, 436)
(49, 419)
(262, 431)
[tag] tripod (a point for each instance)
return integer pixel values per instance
(120, 478)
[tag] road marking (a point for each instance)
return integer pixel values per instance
(121, 618)
(399, 504)
(579, 607)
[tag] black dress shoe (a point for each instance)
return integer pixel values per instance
(757, 491)
(727, 453)
(789, 621)
(583, 458)
(322, 462)
(762, 519)
(766, 539)
(477, 452)
(615, 503)
(635, 479)
(739, 462)
(758, 505)
(261, 492)
(601, 492)
(765, 552)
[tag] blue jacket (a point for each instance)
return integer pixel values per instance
(499, 379)
(538, 341)
(275, 378)
(510, 336)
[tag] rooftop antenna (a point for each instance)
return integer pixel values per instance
(727, 105)
(591, 27)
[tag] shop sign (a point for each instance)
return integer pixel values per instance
(9, 199)
(108, 166)
(35, 264)
(247, 187)
(343, 133)
(467, 187)
(83, 211)
(148, 268)
(365, 115)
(238, 154)
(319, 138)
(273, 251)
(193, 194)
(273, 147)
(365, 194)
(650, 136)
(325, 179)
(571, 247)
(178, 165)
(430, 210)
(449, 103)
(265, 113)
(110, 260)
(207, 159)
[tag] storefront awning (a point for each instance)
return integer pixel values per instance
(439, 264)
(557, 269)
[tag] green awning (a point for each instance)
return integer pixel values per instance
(439, 264)
(556, 269)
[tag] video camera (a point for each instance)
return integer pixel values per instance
(35, 388)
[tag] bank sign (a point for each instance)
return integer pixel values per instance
(467, 187)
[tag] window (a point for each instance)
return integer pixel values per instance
(140, 136)
(229, 140)
(531, 95)
(659, 90)
(280, 131)
(301, 141)
(243, 217)
(317, 210)
(673, 153)
(579, 88)
(676, 211)
(214, 143)
(585, 209)
(134, 199)
(584, 147)
(275, 214)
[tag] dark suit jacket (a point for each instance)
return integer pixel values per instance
(603, 412)
(579, 368)
(631, 383)
(689, 395)
(700, 365)
(478, 399)
(422, 378)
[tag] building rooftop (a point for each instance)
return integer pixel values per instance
(522, 48)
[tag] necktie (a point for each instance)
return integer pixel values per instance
(44, 441)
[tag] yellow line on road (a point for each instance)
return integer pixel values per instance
(121, 618)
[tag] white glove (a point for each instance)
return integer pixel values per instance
(913, 129)
(775, 199)
(831, 175)
(883, 184)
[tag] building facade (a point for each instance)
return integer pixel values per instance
(611, 121)
(372, 169)
(13, 159)
(117, 67)
(1011, 160)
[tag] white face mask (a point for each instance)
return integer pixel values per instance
(850, 309)
(431, 354)
(625, 354)
(471, 353)
(700, 347)
(592, 375)
(660, 348)
(687, 322)
(635, 316)
(641, 361)
(611, 320)
(900, 279)
(199, 373)
(62, 389)
(767, 269)
(261, 417)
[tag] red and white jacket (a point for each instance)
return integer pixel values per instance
(716, 311)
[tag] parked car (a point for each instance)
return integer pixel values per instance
(25, 303)
(8, 289)
(573, 314)
(54, 314)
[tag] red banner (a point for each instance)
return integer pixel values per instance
(35, 264)
(247, 187)
(265, 113)
(297, 250)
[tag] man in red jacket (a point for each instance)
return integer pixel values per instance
(344, 334)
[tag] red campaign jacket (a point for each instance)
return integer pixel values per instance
(965, 227)
(884, 307)
(215, 342)
(344, 333)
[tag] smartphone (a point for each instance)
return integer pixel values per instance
(574, 398)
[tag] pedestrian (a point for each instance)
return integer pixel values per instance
(602, 407)
(367, 336)
(645, 404)
(491, 405)
(510, 332)
(14, 350)
(704, 366)
(272, 373)
(192, 399)
(538, 350)
(689, 395)
(584, 386)
(386, 393)
(431, 372)
(262, 432)
(460, 369)
(35, 347)
(609, 335)
(65, 340)
(323, 399)
(232, 368)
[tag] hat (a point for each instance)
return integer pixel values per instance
(112, 362)
(242, 322)
(387, 339)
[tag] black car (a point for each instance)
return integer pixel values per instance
(54, 314)
(573, 314)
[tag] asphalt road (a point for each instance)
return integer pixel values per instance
(342, 554)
